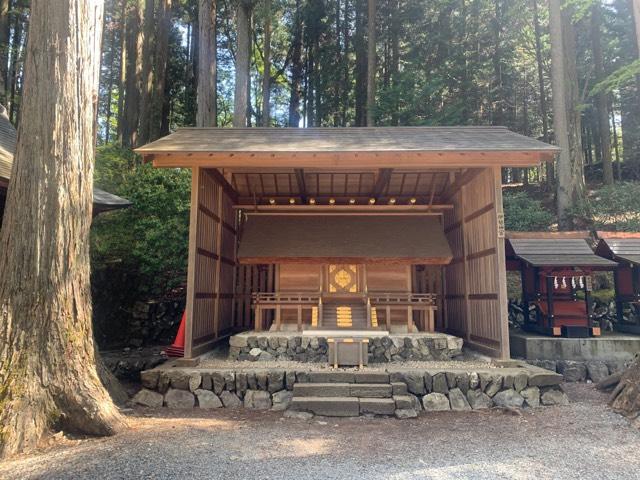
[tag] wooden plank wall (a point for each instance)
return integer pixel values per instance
(475, 281)
(212, 253)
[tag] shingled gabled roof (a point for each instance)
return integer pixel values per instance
(619, 246)
(554, 250)
(102, 201)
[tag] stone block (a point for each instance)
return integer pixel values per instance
(207, 399)
(254, 354)
(289, 379)
(252, 383)
(371, 377)
(322, 389)
(239, 341)
(265, 357)
(399, 388)
(415, 382)
(195, 380)
(218, 382)
(434, 402)
(263, 343)
(230, 400)
(520, 381)
(275, 380)
(175, 398)
(474, 380)
(440, 384)
(428, 382)
(273, 343)
(281, 400)
(554, 397)
(403, 401)
(331, 377)
(377, 406)
(242, 383)
(403, 413)
(458, 400)
(370, 390)
(262, 380)
(179, 379)
(149, 378)
(257, 400)
(297, 415)
(494, 386)
(147, 398)
(572, 371)
(327, 406)
(531, 397)
(597, 371)
(479, 400)
(229, 381)
(508, 398)
(544, 378)
(207, 381)
(462, 382)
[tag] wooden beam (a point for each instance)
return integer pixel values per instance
(384, 175)
(226, 186)
(191, 263)
(302, 187)
(342, 209)
(461, 180)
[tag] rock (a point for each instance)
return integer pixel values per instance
(229, 381)
(405, 413)
(458, 401)
(440, 384)
(207, 381)
(415, 383)
(428, 382)
(252, 383)
(479, 400)
(265, 357)
(616, 366)
(254, 354)
(261, 380)
(550, 365)
(207, 399)
(230, 400)
(531, 397)
(554, 397)
(290, 379)
(417, 405)
(543, 378)
(572, 371)
(462, 382)
(281, 400)
(239, 341)
(195, 380)
(148, 398)
(403, 402)
(597, 371)
(520, 381)
(275, 380)
(149, 379)
(179, 379)
(492, 384)
(508, 398)
(474, 380)
(377, 406)
(218, 382)
(298, 415)
(399, 388)
(242, 383)
(257, 400)
(434, 402)
(179, 399)
(163, 382)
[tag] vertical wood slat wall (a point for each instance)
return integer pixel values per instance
(475, 281)
(212, 253)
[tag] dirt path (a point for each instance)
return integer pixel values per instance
(582, 441)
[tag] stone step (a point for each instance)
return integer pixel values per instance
(377, 406)
(327, 406)
(372, 390)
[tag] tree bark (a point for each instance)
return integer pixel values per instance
(360, 48)
(4, 49)
(122, 86)
(625, 397)
(566, 117)
(133, 75)
(146, 81)
(243, 50)
(206, 114)
(296, 69)
(266, 77)
(47, 356)
(636, 19)
(158, 112)
(371, 63)
(602, 111)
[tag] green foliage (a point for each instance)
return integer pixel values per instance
(148, 241)
(523, 213)
(618, 79)
(615, 207)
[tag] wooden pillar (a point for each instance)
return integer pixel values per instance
(501, 265)
(218, 248)
(191, 263)
(388, 318)
(409, 319)
(299, 317)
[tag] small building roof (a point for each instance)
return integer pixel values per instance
(619, 246)
(336, 147)
(554, 250)
(326, 238)
(102, 201)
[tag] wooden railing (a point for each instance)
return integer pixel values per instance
(409, 302)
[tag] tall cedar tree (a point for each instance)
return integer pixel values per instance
(206, 114)
(47, 358)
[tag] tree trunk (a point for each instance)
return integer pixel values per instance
(133, 75)
(4, 49)
(266, 77)
(566, 117)
(158, 113)
(395, 60)
(625, 397)
(47, 357)
(602, 111)
(206, 114)
(371, 63)
(360, 48)
(243, 50)
(122, 86)
(16, 55)
(636, 19)
(146, 82)
(296, 69)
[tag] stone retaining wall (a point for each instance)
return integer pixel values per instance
(255, 346)
(431, 390)
(582, 371)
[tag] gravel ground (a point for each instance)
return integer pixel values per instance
(583, 441)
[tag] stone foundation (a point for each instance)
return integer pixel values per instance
(267, 346)
(582, 371)
(413, 390)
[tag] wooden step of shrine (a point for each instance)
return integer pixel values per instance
(344, 315)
